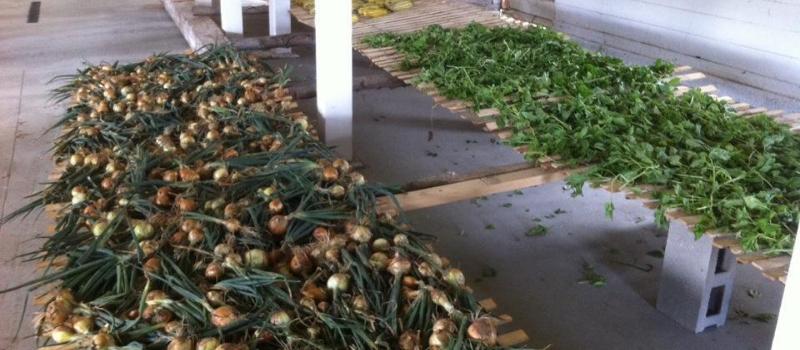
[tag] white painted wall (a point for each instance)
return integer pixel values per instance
(756, 42)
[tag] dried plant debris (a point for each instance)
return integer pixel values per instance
(745, 317)
(626, 122)
(537, 231)
(591, 277)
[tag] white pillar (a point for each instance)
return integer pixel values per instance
(334, 42)
(280, 17)
(231, 16)
(787, 332)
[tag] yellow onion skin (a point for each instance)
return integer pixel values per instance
(224, 316)
(483, 330)
(207, 344)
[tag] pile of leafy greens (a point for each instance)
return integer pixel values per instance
(741, 174)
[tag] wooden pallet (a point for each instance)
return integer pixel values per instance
(452, 14)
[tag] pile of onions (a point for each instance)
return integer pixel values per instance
(199, 213)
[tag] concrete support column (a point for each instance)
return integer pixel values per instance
(231, 16)
(280, 17)
(334, 57)
(787, 332)
(696, 280)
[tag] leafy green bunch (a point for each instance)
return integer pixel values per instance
(739, 173)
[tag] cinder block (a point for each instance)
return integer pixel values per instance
(696, 280)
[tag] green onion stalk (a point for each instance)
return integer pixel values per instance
(195, 210)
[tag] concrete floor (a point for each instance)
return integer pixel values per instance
(68, 33)
(400, 136)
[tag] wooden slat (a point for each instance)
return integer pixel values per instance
(691, 76)
(772, 263)
(503, 320)
(513, 338)
(464, 190)
(741, 106)
(682, 69)
(752, 111)
(488, 304)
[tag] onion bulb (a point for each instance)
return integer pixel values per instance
(337, 191)
(152, 265)
(207, 344)
(189, 224)
(256, 258)
(143, 230)
(455, 277)
(357, 179)
(381, 245)
(188, 175)
(409, 340)
(400, 240)
(180, 343)
(196, 236)
(102, 340)
(439, 339)
(224, 316)
(399, 265)
(82, 325)
(275, 206)
(330, 174)
(278, 225)
(76, 160)
(221, 174)
(79, 195)
(360, 233)
(62, 334)
(483, 330)
(338, 282)
(222, 249)
(300, 262)
(445, 325)
(170, 176)
(280, 318)
(148, 247)
(342, 165)
(57, 312)
(312, 291)
(215, 297)
(378, 261)
(214, 271)
(232, 225)
(186, 204)
(321, 234)
(440, 298)
(99, 228)
(425, 270)
(360, 303)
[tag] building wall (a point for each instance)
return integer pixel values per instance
(755, 42)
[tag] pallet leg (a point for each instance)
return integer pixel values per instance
(280, 17)
(334, 54)
(696, 280)
(231, 16)
(786, 335)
